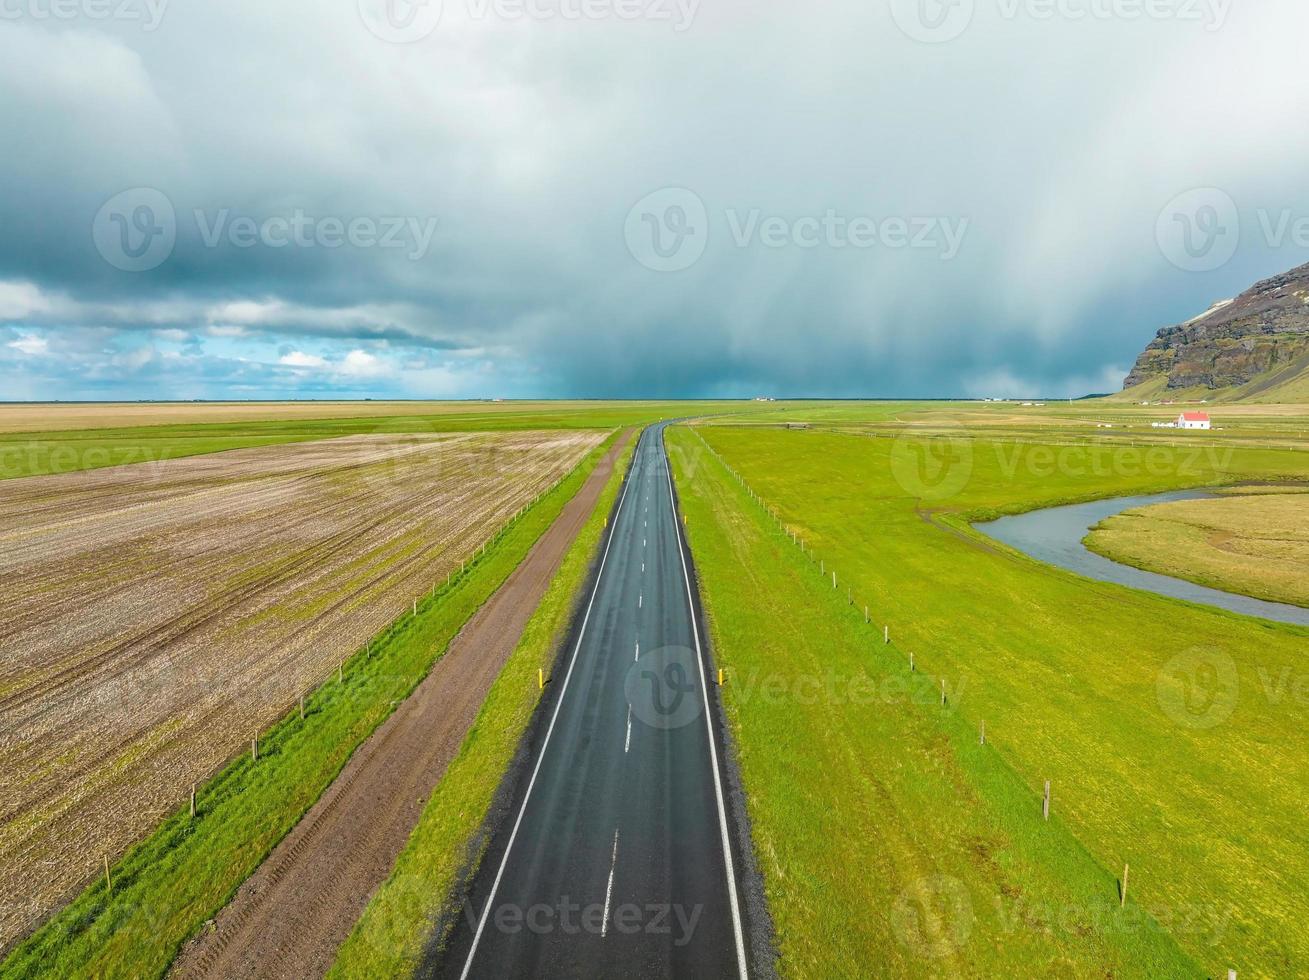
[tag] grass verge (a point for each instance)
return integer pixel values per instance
(167, 886)
(891, 841)
(390, 937)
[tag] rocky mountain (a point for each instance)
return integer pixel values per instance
(1251, 347)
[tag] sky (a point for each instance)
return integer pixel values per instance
(633, 198)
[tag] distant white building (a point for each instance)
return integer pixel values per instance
(1193, 420)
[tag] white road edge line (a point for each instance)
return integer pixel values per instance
(709, 728)
(609, 889)
(495, 886)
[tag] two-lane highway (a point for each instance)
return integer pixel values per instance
(616, 859)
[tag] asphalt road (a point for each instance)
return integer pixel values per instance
(615, 858)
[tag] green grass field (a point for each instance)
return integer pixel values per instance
(390, 936)
(892, 842)
(1173, 734)
(176, 879)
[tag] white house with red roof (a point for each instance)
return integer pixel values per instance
(1193, 420)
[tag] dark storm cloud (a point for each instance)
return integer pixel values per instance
(867, 214)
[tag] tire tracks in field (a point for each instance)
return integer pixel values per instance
(105, 727)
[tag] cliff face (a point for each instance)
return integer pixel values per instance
(1262, 330)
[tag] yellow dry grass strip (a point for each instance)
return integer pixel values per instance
(1254, 544)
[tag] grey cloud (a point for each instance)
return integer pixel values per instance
(530, 142)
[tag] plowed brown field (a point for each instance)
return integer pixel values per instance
(153, 617)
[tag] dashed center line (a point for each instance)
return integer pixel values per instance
(609, 889)
(628, 744)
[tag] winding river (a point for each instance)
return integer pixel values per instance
(1054, 536)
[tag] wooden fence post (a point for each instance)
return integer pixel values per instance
(1122, 899)
(193, 801)
(1045, 803)
(981, 738)
(109, 882)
